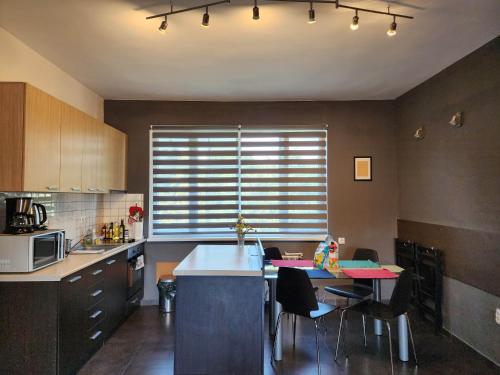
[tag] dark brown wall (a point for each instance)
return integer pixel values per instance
(452, 176)
(449, 188)
(364, 212)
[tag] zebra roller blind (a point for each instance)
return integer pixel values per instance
(202, 177)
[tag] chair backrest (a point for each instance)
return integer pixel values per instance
(272, 253)
(295, 292)
(401, 295)
(365, 254)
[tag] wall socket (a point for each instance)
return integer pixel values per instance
(497, 315)
(341, 241)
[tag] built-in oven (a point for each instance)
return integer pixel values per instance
(31, 251)
(135, 279)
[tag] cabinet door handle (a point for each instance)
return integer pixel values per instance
(75, 188)
(110, 262)
(96, 314)
(96, 293)
(95, 335)
(101, 190)
(52, 187)
(97, 272)
(75, 279)
(91, 189)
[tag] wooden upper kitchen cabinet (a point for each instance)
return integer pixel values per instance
(74, 125)
(92, 180)
(30, 121)
(116, 158)
(48, 145)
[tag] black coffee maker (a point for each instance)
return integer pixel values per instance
(18, 217)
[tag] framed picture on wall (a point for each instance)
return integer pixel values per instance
(362, 168)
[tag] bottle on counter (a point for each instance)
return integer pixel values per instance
(110, 231)
(121, 231)
(104, 232)
(127, 235)
(116, 233)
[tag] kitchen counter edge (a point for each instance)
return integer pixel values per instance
(71, 264)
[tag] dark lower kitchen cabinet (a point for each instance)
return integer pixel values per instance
(71, 329)
(116, 292)
(55, 327)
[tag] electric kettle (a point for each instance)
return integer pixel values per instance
(39, 215)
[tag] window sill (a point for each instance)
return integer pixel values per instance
(289, 238)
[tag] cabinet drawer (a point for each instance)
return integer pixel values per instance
(95, 294)
(95, 273)
(95, 339)
(96, 314)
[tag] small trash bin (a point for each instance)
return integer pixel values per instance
(166, 290)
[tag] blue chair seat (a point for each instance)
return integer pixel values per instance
(323, 309)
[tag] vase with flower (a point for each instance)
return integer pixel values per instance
(242, 228)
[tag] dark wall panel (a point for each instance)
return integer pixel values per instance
(461, 248)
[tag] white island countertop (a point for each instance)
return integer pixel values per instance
(71, 264)
(221, 260)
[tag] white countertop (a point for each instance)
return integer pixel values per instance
(71, 264)
(221, 260)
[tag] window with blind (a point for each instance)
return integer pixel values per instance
(202, 177)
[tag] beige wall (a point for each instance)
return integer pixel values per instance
(19, 63)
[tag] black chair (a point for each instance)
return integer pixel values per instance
(398, 305)
(360, 288)
(272, 253)
(297, 296)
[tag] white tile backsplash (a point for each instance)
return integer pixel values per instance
(76, 213)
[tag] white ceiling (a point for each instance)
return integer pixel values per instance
(110, 47)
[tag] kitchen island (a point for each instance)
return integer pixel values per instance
(220, 311)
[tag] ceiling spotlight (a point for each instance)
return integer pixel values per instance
(206, 18)
(163, 25)
(256, 14)
(392, 27)
(355, 21)
(312, 14)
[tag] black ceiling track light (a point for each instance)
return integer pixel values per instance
(206, 18)
(312, 14)
(256, 13)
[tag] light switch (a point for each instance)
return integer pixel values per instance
(341, 241)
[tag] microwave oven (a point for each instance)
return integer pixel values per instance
(31, 251)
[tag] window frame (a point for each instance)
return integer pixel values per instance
(221, 238)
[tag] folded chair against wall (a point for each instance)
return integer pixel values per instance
(297, 296)
(360, 288)
(398, 305)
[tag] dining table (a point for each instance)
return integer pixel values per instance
(271, 275)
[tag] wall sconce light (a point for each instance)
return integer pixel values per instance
(457, 120)
(419, 134)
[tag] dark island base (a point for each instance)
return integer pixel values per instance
(219, 325)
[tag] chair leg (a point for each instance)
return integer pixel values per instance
(364, 329)
(390, 345)
(340, 333)
(411, 339)
(275, 334)
(294, 328)
(317, 346)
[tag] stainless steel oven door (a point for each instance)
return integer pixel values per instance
(47, 249)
